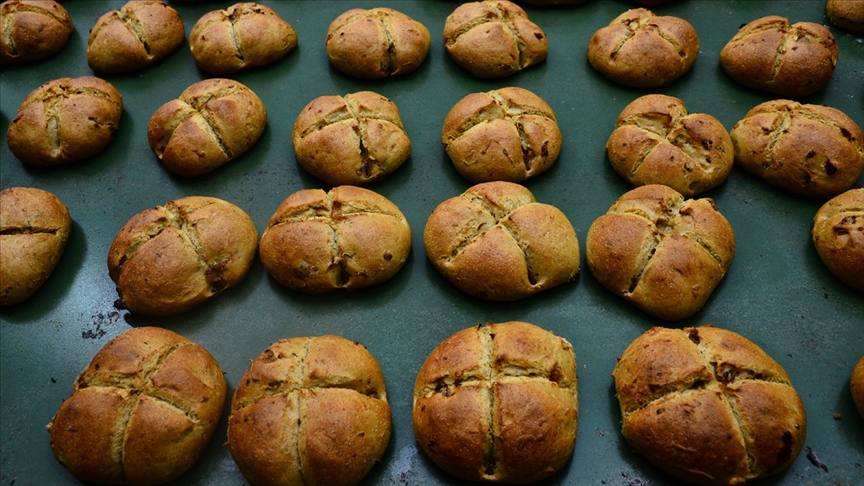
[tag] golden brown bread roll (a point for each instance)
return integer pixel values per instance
(376, 43)
(657, 141)
(141, 33)
(355, 139)
(65, 120)
(142, 412)
(495, 242)
(509, 134)
(856, 385)
(31, 30)
(348, 238)
(847, 14)
(838, 234)
(170, 258)
(788, 60)
(493, 39)
(660, 252)
(708, 406)
(240, 37)
(34, 229)
(498, 403)
(212, 123)
(310, 410)
(642, 50)
(812, 150)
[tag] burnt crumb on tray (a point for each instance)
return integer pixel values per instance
(811, 456)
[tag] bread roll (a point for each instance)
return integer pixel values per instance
(31, 30)
(708, 406)
(34, 229)
(838, 234)
(243, 36)
(355, 139)
(509, 134)
(812, 150)
(170, 258)
(141, 33)
(493, 39)
(660, 252)
(310, 410)
(495, 242)
(142, 412)
(641, 50)
(212, 123)
(65, 120)
(787, 60)
(498, 403)
(349, 238)
(847, 14)
(376, 43)
(856, 385)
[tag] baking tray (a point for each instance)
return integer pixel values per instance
(777, 292)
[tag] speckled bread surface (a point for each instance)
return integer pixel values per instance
(543, 3)
(142, 412)
(376, 43)
(31, 30)
(838, 234)
(212, 123)
(349, 238)
(787, 60)
(660, 252)
(811, 150)
(847, 14)
(856, 385)
(34, 229)
(496, 242)
(657, 141)
(310, 410)
(242, 36)
(493, 39)
(141, 33)
(642, 50)
(708, 406)
(65, 120)
(498, 403)
(509, 134)
(353, 139)
(170, 258)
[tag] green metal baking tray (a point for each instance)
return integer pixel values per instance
(777, 292)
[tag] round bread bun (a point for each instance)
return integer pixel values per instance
(660, 252)
(376, 43)
(498, 403)
(838, 234)
(856, 385)
(495, 242)
(353, 139)
(847, 14)
(65, 120)
(708, 406)
(34, 228)
(657, 141)
(508, 134)
(170, 258)
(142, 412)
(31, 30)
(349, 238)
(812, 150)
(310, 410)
(787, 60)
(641, 50)
(493, 39)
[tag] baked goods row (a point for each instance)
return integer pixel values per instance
(494, 403)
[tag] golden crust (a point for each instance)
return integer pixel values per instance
(310, 410)
(812, 150)
(34, 228)
(708, 406)
(856, 386)
(788, 60)
(142, 412)
(32, 30)
(170, 258)
(660, 252)
(847, 14)
(641, 50)
(498, 403)
(838, 235)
